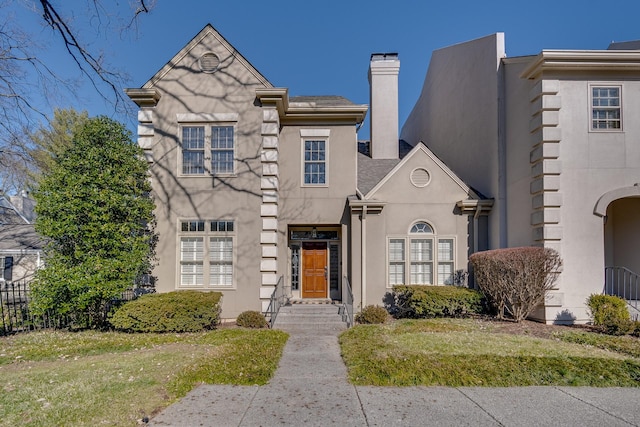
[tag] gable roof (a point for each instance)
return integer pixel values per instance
(371, 171)
(421, 147)
(208, 30)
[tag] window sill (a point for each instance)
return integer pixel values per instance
(207, 175)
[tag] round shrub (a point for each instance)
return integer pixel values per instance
(251, 319)
(372, 314)
(180, 311)
(610, 313)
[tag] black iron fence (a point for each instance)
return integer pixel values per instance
(16, 316)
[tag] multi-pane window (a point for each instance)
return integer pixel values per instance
(206, 253)
(191, 261)
(396, 262)
(445, 261)
(421, 261)
(218, 144)
(605, 108)
(315, 152)
(426, 264)
(221, 261)
(222, 149)
(193, 150)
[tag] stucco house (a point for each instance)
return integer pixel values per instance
(20, 246)
(553, 138)
(256, 188)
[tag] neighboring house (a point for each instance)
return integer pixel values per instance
(254, 187)
(554, 138)
(20, 246)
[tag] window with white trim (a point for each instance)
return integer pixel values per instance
(426, 264)
(315, 157)
(606, 108)
(206, 253)
(208, 149)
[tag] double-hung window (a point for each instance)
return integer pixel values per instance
(193, 150)
(208, 150)
(430, 259)
(206, 253)
(315, 162)
(222, 149)
(315, 157)
(606, 108)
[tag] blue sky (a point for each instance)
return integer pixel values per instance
(323, 48)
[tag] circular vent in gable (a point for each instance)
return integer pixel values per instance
(209, 62)
(420, 177)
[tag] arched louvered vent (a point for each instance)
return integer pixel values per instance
(420, 177)
(209, 62)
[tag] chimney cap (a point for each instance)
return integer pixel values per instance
(388, 56)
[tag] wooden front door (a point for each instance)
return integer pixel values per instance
(314, 270)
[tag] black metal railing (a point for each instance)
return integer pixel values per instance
(624, 283)
(277, 300)
(17, 316)
(347, 302)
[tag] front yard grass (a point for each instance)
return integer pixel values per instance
(93, 378)
(472, 352)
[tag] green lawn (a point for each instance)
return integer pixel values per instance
(467, 352)
(93, 378)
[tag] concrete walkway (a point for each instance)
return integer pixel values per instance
(310, 389)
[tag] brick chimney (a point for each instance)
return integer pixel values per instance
(383, 94)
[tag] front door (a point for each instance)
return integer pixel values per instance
(314, 270)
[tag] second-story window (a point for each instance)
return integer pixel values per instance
(222, 149)
(193, 150)
(315, 162)
(315, 157)
(208, 150)
(606, 108)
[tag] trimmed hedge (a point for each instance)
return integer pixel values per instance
(251, 319)
(372, 314)
(180, 311)
(417, 301)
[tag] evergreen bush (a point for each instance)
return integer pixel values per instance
(251, 319)
(372, 314)
(180, 311)
(611, 314)
(417, 301)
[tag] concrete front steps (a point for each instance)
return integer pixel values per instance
(316, 316)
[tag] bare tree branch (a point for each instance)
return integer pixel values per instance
(29, 87)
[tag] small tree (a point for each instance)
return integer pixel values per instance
(516, 280)
(95, 210)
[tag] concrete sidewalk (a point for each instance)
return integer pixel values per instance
(310, 388)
